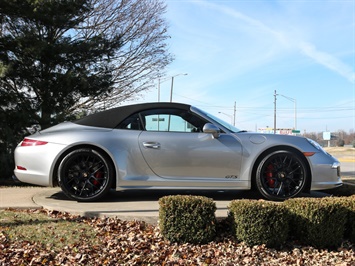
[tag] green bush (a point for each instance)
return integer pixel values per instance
(187, 219)
(260, 222)
(317, 222)
(351, 220)
(349, 204)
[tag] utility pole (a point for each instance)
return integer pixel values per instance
(275, 112)
(235, 110)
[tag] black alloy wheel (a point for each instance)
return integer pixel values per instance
(281, 175)
(85, 175)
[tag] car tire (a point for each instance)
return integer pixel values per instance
(85, 175)
(281, 175)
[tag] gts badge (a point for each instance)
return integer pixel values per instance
(231, 176)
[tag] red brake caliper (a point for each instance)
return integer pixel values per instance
(269, 176)
(98, 175)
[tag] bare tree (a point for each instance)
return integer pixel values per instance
(140, 28)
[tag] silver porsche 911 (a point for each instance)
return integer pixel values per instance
(170, 146)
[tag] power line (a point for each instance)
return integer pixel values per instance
(240, 107)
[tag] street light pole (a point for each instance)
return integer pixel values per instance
(171, 88)
(159, 90)
(295, 102)
(275, 112)
(235, 110)
(230, 116)
(172, 84)
(160, 81)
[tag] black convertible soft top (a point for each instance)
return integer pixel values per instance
(113, 117)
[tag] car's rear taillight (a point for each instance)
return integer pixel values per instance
(32, 142)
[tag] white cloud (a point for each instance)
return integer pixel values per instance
(284, 39)
(328, 61)
(256, 24)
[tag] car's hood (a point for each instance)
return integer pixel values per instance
(255, 135)
(267, 140)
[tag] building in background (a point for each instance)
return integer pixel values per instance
(281, 131)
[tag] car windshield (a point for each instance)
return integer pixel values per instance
(218, 121)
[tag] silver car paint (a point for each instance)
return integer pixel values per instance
(176, 161)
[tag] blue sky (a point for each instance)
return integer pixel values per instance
(242, 51)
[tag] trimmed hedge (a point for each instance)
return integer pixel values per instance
(349, 204)
(317, 222)
(320, 222)
(260, 222)
(187, 219)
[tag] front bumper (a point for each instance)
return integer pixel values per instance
(326, 172)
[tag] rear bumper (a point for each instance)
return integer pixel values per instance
(34, 165)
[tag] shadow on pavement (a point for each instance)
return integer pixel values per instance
(155, 195)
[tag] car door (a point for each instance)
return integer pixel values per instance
(174, 146)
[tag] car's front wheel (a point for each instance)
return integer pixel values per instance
(281, 175)
(85, 175)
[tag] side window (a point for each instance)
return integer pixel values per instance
(165, 120)
(172, 120)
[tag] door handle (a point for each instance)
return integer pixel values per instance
(151, 145)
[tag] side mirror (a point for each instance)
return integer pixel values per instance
(212, 129)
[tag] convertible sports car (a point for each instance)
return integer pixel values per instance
(170, 146)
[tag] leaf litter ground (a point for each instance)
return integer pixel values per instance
(42, 237)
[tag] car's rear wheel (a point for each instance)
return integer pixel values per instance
(281, 175)
(85, 175)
